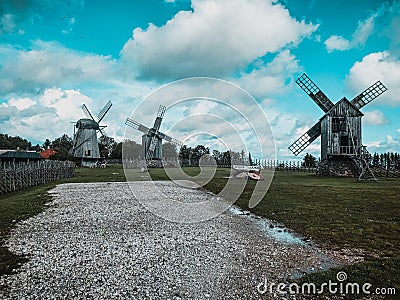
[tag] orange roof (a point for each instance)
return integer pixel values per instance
(47, 153)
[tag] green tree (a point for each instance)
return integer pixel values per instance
(250, 160)
(36, 148)
(132, 150)
(375, 160)
(62, 145)
(169, 150)
(199, 151)
(242, 154)
(116, 152)
(106, 145)
(46, 144)
(226, 158)
(13, 142)
(309, 161)
(185, 152)
(217, 156)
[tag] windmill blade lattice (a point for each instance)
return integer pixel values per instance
(160, 115)
(137, 126)
(87, 112)
(170, 139)
(104, 111)
(369, 94)
(306, 139)
(314, 92)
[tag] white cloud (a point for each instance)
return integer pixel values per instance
(45, 115)
(21, 103)
(388, 144)
(51, 64)
(67, 103)
(272, 78)
(336, 42)
(375, 117)
(217, 38)
(48, 113)
(364, 29)
(377, 66)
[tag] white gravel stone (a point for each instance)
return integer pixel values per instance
(96, 241)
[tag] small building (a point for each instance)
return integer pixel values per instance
(19, 156)
(341, 130)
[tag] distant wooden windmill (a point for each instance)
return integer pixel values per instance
(152, 137)
(342, 152)
(85, 144)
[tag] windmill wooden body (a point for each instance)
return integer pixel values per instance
(342, 151)
(85, 145)
(152, 137)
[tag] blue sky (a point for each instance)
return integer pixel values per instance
(57, 55)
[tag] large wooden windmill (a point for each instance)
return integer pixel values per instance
(342, 152)
(85, 145)
(152, 137)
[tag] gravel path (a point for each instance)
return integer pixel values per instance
(96, 241)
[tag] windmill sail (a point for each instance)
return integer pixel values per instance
(87, 112)
(306, 139)
(160, 115)
(369, 94)
(170, 139)
(137, 126)
(104, 111)
(314, 92)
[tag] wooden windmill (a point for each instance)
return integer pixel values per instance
(342, 152)
(85, 145)
(152, 137)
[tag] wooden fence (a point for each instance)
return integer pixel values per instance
(269, 164)
(18, 176)
(290, 166)
(386, 172)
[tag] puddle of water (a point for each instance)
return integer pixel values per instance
(275, 230)
(282, 234)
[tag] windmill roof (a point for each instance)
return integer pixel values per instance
(87, 124)
(350, 107)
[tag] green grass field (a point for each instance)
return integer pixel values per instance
(334, 212)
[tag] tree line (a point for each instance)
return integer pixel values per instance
(62, 145)
(387, 160)
(110, 149)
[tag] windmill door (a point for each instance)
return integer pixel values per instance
(344, 144)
